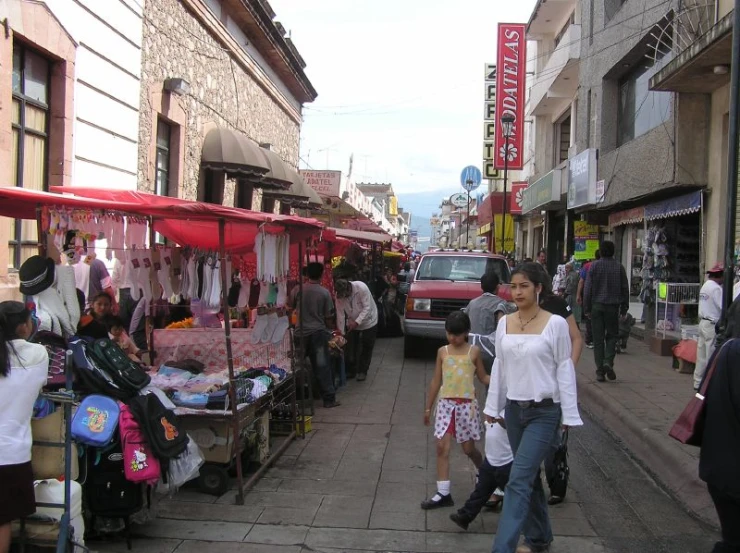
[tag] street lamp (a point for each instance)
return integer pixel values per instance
(507, 129)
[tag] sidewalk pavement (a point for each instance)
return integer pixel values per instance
(639, 408)
(355, 484)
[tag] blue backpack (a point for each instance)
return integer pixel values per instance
(95, 421)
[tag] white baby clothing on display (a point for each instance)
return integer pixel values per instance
(65, 285)
(243, 300)
(185, 283)
(281, 328)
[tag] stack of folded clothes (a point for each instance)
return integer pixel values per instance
(211, 391)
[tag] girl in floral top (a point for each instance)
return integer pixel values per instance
(457, 409)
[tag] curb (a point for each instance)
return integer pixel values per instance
(676, 472)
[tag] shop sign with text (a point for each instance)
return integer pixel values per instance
(511, 74)
(582, 179)
(517, 197)
(542, 191)
(324, 183)
(489, 123)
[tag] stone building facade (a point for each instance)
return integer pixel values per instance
(241, 74)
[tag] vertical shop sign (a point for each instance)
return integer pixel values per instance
(586, 239)
(517, 197)
(510, 94)
(508, 233)
(489, 121)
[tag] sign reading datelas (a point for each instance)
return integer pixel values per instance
(325, 183)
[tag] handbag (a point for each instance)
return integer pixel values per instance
(689, 427)
(559, 472)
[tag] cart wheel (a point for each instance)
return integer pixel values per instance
(213, 479)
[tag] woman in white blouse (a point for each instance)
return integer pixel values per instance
(534, 380)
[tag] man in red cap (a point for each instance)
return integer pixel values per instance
(710, 310)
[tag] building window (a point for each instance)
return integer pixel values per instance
(562, 144)
(244, 194)
(213, 189)
(29, 141)
(641, 109)
(164, 140)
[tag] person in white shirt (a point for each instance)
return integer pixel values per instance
(534, 380)
(493, 473)
(710, 310)
(23, 372)
(357, 319)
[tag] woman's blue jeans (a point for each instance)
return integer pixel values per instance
(531, 433)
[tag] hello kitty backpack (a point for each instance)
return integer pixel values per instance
(139, 463)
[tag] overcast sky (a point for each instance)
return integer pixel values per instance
(400, 84)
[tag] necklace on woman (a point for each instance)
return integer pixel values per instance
(522, 325)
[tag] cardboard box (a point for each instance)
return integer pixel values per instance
(48, 461)
(686, 367)
(214, 437)
(662, 346)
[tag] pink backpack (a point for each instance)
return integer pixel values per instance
(139, 463)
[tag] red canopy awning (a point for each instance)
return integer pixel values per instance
(184, 222)
(493, 203)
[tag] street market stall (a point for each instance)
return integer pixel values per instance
(256, 372)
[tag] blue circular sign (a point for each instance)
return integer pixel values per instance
(470, 178)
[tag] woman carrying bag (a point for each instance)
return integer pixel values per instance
(719, 461)
(534, 379)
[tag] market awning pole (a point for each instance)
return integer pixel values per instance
(42, 240)
(732, 165)
(155, 296)
(230, 362)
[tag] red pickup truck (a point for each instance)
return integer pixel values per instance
(446, 281)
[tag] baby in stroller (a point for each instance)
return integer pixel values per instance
(626, 322)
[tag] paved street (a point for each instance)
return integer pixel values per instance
(355, 483)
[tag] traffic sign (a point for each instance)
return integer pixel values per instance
(459, 199)
(470, 178)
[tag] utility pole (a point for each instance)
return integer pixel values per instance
(467, 231)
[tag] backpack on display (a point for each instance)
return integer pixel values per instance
(108, 492)
(89, 377)
(160, 426)
(56, 347)
(124, 372)
(139, 462)
(95, 421)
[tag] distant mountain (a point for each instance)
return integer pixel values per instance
(422, 205)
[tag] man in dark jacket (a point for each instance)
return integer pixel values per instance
(720, 449)
(606, 296)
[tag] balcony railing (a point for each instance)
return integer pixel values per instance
(567, 50)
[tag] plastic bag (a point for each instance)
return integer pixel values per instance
(186, 467)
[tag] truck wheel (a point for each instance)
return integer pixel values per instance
(411, 347)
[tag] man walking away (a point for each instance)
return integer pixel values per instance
(605, 298)
(357, 318)
(486, 310)
(710, 310)
(315, 309)
(583, 273)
